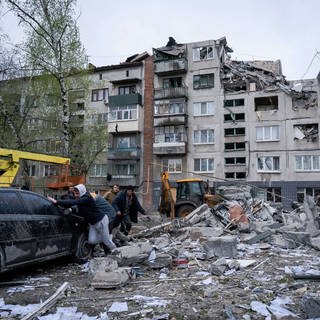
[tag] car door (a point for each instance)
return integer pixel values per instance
(51, 230)
(17, 242)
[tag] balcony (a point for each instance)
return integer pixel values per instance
(170, 120)
(170, 67)
(124, 153)
(169, 148)
(169, 93)
(125, 100)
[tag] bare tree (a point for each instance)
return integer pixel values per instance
(53, 45)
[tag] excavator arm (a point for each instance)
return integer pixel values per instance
(10, 163)
(166, 205)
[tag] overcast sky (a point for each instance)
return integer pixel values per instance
(288, 30)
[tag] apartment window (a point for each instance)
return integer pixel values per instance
(234, 117)
(204, 165)
(98, 119)
(203, 108)
(125, 169)
(169, 107)
(302, 193)
(203, 53)
(31, 170)
(126, 142)
(172, 83)
(99, 95)
(274, 195)
(235, 175)
(234, 160)
(268, 133)
(234, 102)
(266, 103)
(229, 132)
(123, 113)
(98, 170)
(169, 134)
(172, 165)
(307, 163)
(234, 146)
(77, 94)
(203, 81)
(52, 146)
(203, 136)
(49, 170)
(268, 164)
(127, 90)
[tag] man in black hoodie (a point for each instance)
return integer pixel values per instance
(92, 213)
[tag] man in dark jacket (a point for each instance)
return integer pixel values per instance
(93, 214)
(127, 207)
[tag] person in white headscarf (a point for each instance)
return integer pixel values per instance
(93, 214)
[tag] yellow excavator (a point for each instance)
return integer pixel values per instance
(190, 194)
(10, 163)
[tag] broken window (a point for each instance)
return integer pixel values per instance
(307, 100)
(268, 163)
(307, 163)
(266, 103)
(169, 107)
(169, 134)
(228, 132)
(234, 102)
(274, 195)
(235, 175)
(127, 90)
(235, 86)
(203, 108)
(172, 165)
(235, 146)
(234, 117)
(204, 165)
(306, 131)
(172, 83)
(203, 81)
(268, 133)
(203, 136)
(100, 95)
(303, 192)
(203, 53)
(235, 160)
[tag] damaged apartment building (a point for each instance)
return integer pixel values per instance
(193, 111)
(235, 122)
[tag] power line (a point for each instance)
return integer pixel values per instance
(309, 66)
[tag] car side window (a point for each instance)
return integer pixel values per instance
(10, 203)
(39, 205)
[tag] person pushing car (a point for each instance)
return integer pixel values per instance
(93, 214)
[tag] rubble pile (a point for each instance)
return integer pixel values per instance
(241, 259)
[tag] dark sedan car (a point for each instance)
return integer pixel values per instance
(32, 229)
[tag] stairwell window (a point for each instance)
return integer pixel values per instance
(203, 53)
(307, 163)
(203, 108)
(203, 136)
(204, 165)
(267, 164)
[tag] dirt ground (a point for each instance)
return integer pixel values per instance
(189, 292)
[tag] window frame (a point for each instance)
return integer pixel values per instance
(209, 133)
(207, 106)
(203, 162)
(275, 164)
(313, 162)
(196, 53)
(203, 81)
(274, 130)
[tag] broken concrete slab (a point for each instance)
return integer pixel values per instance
(225, 246)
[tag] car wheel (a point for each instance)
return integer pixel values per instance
(83, 248)
(184, 210)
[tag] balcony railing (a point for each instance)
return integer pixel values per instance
(125, 99)
(169, 93)
(124, 153)
(168, 67)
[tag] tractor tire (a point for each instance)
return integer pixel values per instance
(184, 210)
